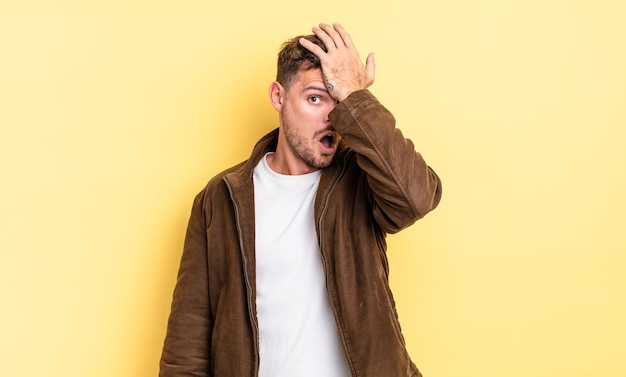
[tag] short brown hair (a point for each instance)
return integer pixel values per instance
(293, 57)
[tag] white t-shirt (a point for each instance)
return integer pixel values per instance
(297, 330)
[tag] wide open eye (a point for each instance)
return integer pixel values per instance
(315, 99)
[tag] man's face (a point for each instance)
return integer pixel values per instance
(308, 133)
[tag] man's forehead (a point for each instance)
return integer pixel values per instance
(307, 77)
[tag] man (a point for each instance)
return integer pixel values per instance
(284, 271)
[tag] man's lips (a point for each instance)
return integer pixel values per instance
(328, 141)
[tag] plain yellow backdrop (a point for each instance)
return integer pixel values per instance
(114, 114)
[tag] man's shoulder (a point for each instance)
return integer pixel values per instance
(218, 179)
(242, 172)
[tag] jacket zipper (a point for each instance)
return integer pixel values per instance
(253, 320)
(321, 237)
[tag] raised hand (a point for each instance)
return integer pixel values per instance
(342, 67)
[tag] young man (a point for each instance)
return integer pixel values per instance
(284, 269)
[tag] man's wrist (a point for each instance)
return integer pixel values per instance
(340, 96)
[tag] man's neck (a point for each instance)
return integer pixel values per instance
(285, 164)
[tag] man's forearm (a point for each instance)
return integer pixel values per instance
(405, 188)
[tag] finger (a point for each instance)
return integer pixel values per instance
(315, 49)
(333, 34)
(324, 37)
(347, 40)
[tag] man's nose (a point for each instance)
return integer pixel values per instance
(328, 113)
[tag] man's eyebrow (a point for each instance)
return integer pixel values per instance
(317, 88)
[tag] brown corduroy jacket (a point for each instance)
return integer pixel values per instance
(377, 184)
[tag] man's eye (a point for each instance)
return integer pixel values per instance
(314, 99)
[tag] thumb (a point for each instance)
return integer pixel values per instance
(370, 68)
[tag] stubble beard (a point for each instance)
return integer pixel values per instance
(305, 149)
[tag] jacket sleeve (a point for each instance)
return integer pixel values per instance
(404, 188)
(189, 328)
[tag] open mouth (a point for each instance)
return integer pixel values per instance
(328, 140)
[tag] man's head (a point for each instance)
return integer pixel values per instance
(306, 140)
(293, 57)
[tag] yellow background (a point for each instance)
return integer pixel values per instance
(114, 114)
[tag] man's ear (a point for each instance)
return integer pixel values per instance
(277, 95)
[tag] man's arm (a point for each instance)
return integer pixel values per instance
(186, 348)
(404, 187)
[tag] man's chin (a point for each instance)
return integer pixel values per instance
(324, 161)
